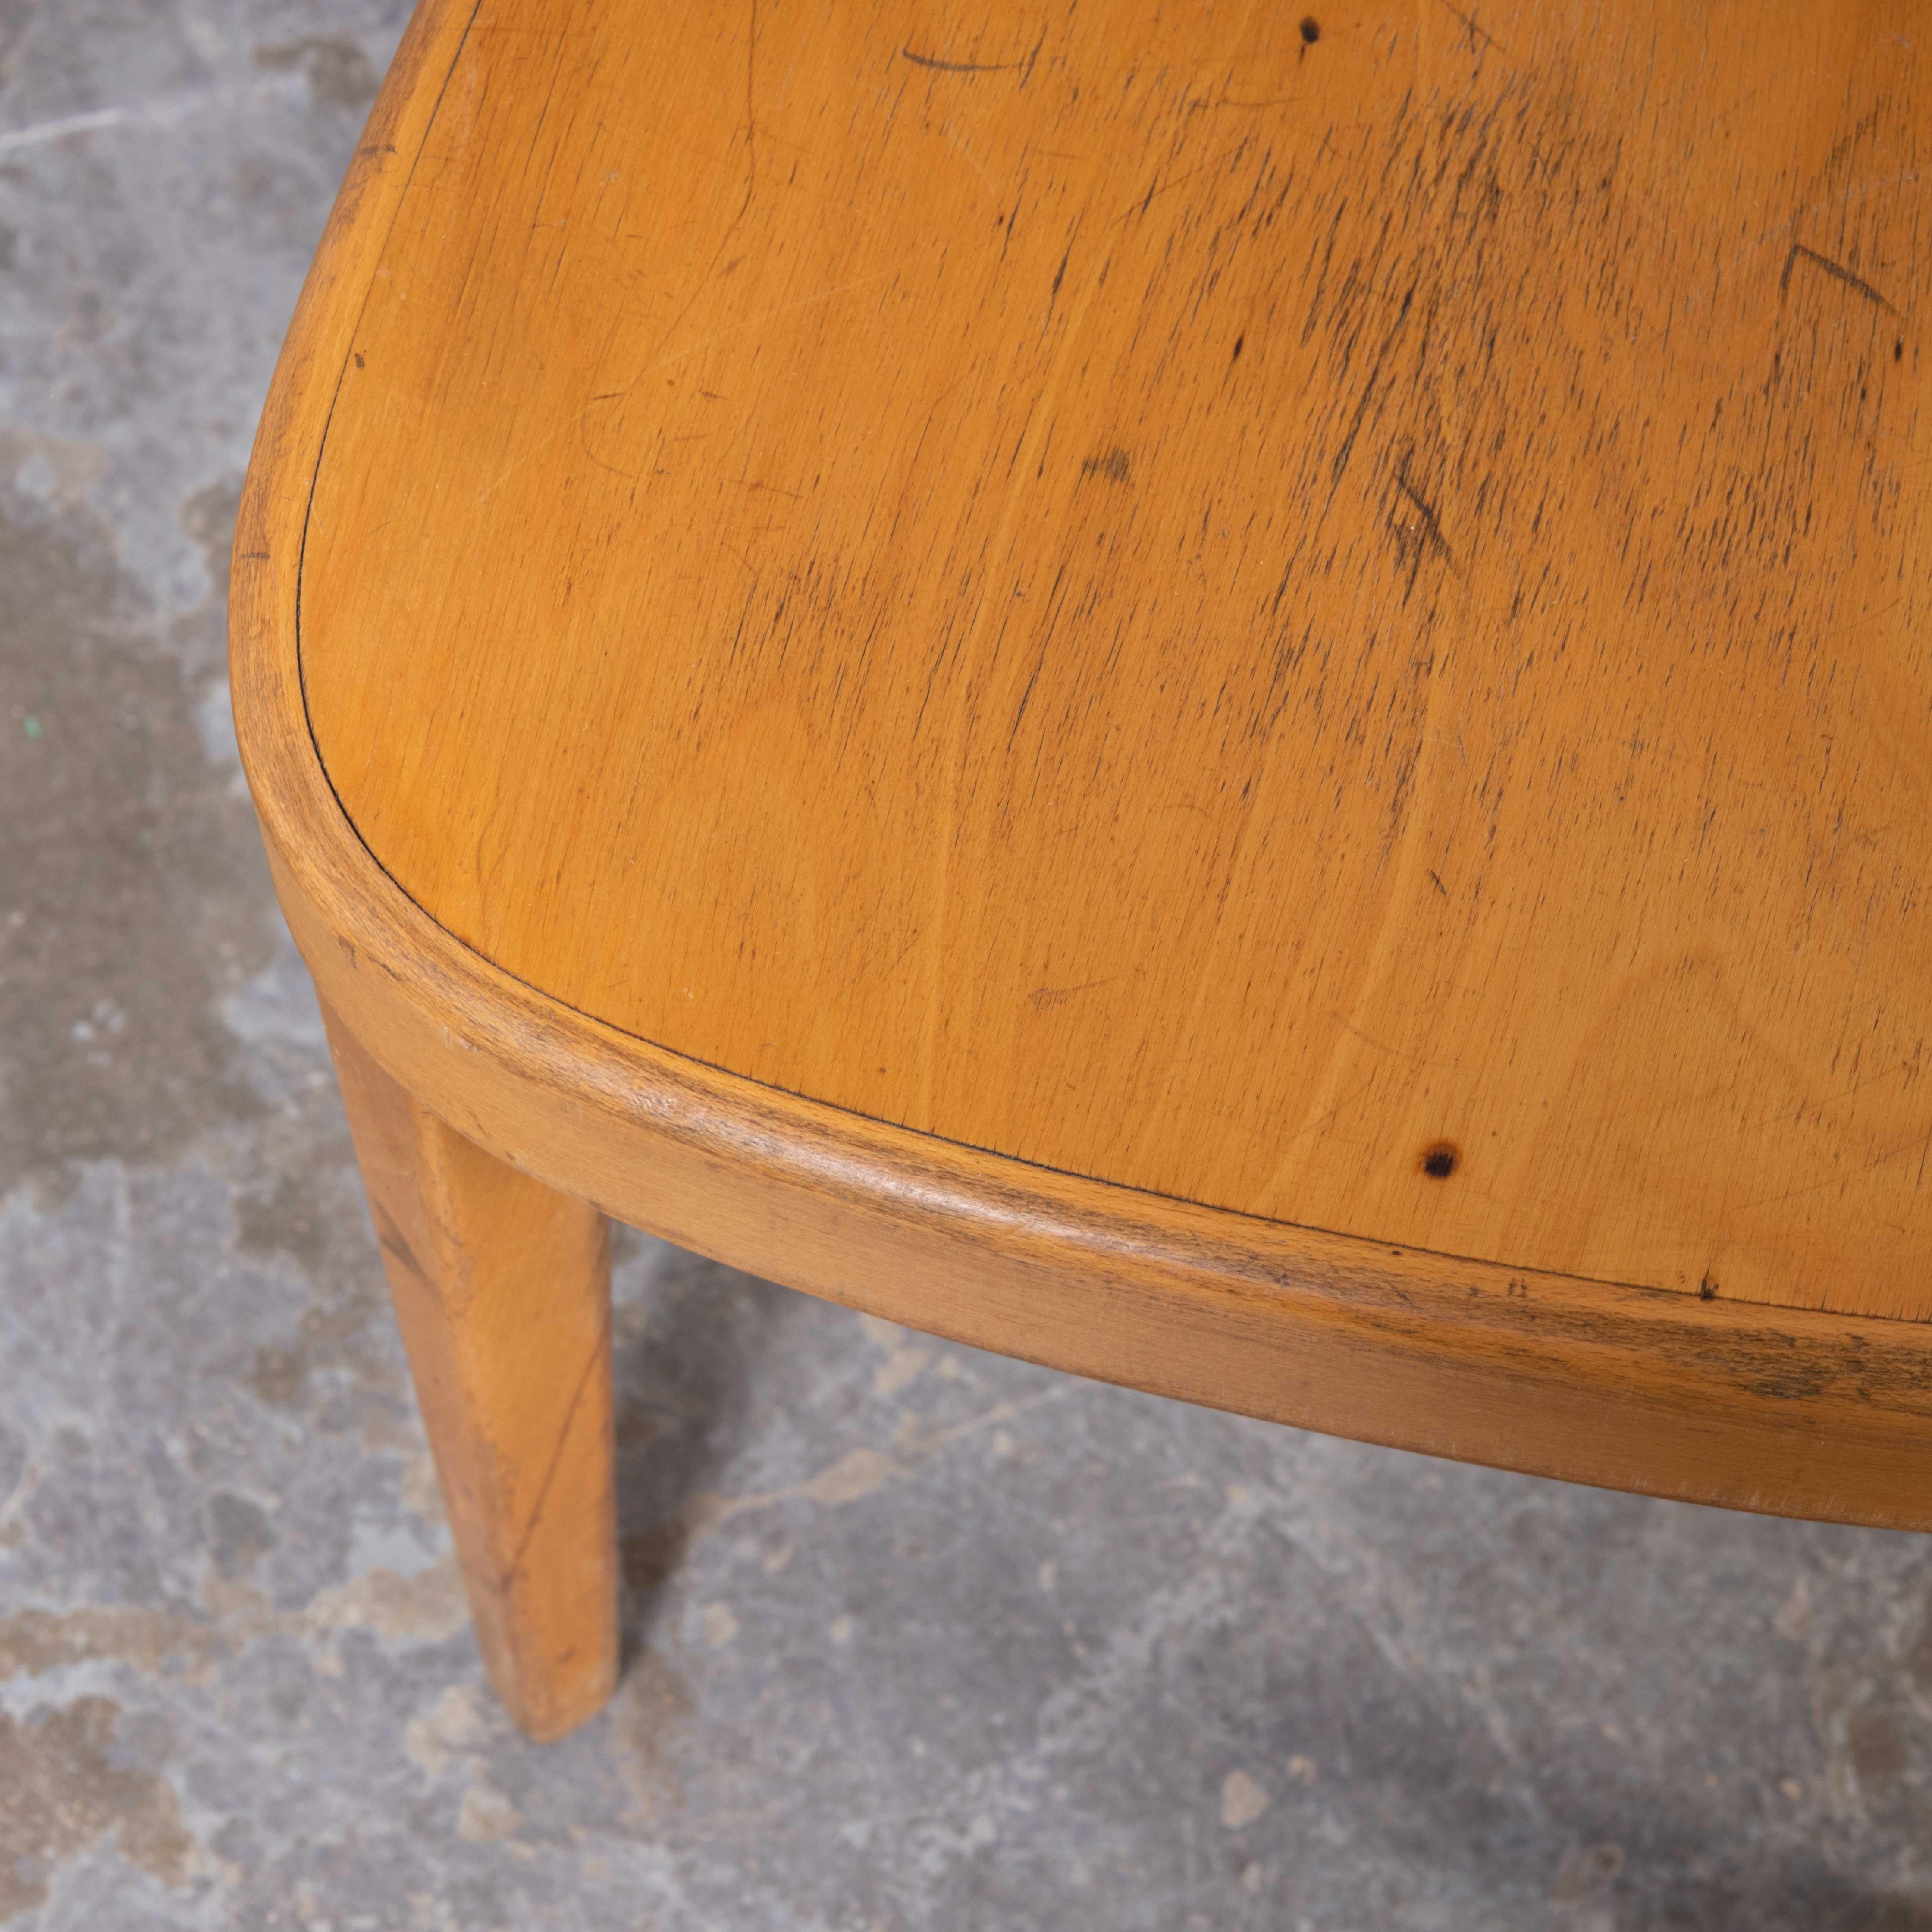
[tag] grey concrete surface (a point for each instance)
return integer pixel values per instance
(920, 1639)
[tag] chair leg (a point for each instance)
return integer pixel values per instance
(502, 1290)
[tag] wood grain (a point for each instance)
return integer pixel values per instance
(1194, 608)
(502, 1292)
(1586, 1091)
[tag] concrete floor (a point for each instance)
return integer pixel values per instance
(922, 1639)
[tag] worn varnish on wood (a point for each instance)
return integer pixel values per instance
(1234, 706)
(502, 1292)
(1200, 609)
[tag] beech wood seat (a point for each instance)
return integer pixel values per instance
(1236, 701)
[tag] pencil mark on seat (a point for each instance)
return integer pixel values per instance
(1043, 999)
(1426, 535)
(1836, 270)
(957, 66)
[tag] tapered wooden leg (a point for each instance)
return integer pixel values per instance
(502, 1289)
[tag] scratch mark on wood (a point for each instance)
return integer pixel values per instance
(1382, 1046)
(1156, 187)
(972, 160)
(671, 360)
(599, 1356)
(1476, 32)
(751, 126)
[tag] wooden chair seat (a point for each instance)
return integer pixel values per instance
(1225, 700)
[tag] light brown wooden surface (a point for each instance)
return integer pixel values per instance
(1191, 608)
(503, 1291)
(1717, 1399)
